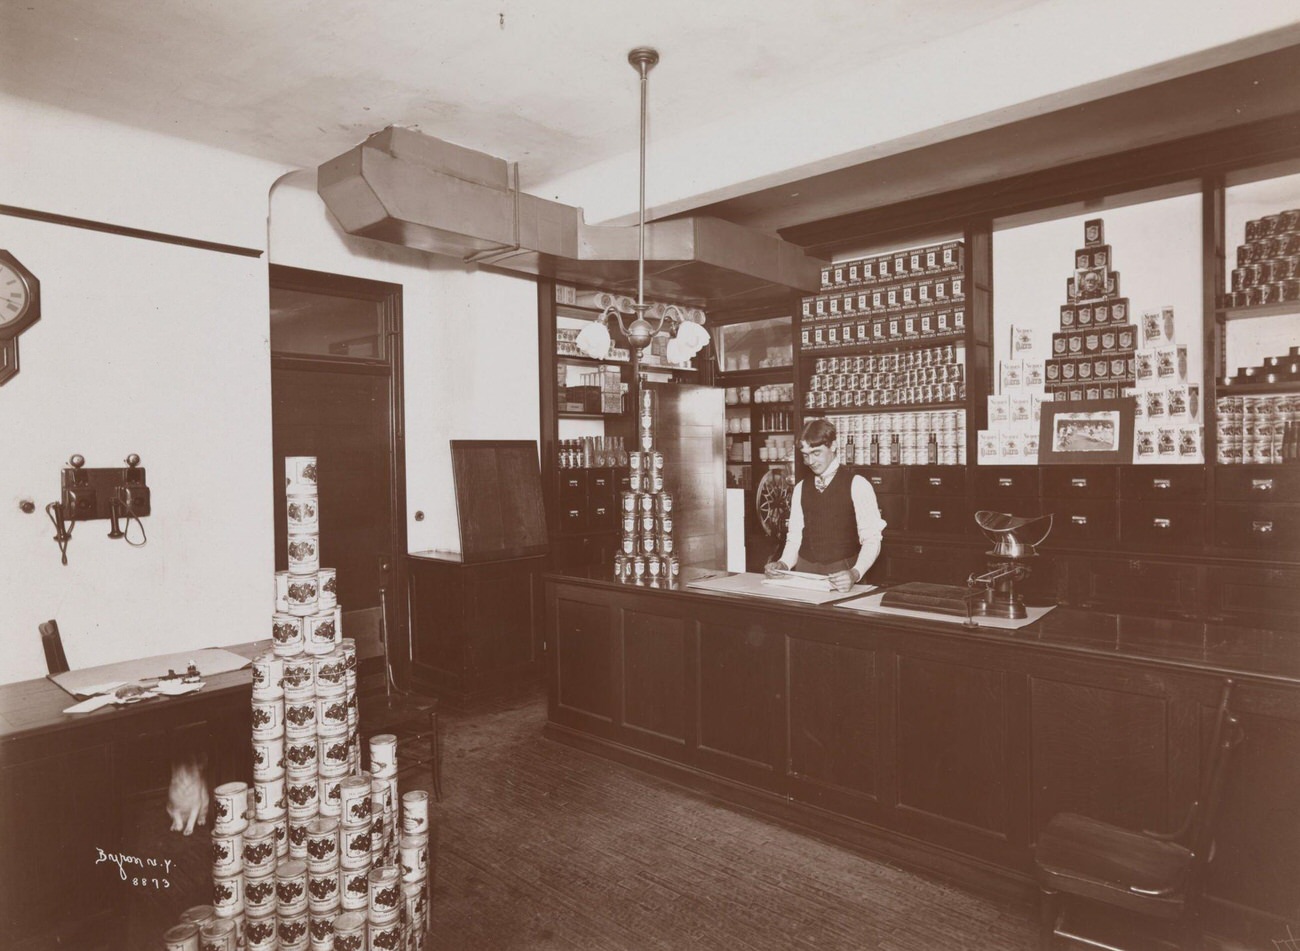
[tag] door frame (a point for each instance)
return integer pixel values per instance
(389, 298)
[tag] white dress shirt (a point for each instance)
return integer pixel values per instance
(865, 510)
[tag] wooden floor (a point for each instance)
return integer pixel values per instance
(543, 846)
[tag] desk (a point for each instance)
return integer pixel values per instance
(65, 779)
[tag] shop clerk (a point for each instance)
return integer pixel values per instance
(835, 523)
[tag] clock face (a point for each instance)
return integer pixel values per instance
(20, 297)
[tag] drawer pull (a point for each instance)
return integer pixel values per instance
(1079, 483)
(877, 480)
(935, 514)
(1161, 523)
(1079, 519)
(1004, 482)
(1160, 483)
(1261, 485)
(1261, 528)
(936, 480)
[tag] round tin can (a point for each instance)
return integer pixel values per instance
(628, 503)
(648, 544)
(293, 930)
(349, 931)
(199, 915)
(354, 801)
(415, 902)
(653, 567)
(413, 853)
(657, 461)
(645, 504)
(635, 460)
(319, 631)
(383, 755)
(282, 591)
(663, 503)
(300, 754)
(182, 937)
(259, 931)
(268, 675)
(304, 553)
(297, 829)
(646, 440)
(636, 480)
(415, 812)
(385, 891)
(355, 887)
(259, 893)
(328, 578)
(380, 797)
(657, 481)
(664, 524)
(286, 634)
(333, 753)
(666, 545)
(268, 718)
(230, 802)
(323, 889)
(348, 646)
(302, 514)
(269, 799)
(291, 886)
(332, 712)
(331, 673)
(331, 803)
(300, 716)
(218, 935)
(385, 934)
(228, 894)
(628, 544)
(259, 850)
(299, 677)
(638, 569)
(300, 475)
(647, 523)
(356, 846)
(301, 791)
(320, 927)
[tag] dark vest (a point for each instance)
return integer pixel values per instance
(830, 526)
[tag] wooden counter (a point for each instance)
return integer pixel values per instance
(934, 745)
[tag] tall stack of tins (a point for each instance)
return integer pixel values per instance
(292, 862)
(646, 553)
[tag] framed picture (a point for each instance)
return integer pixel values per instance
(1086, 432)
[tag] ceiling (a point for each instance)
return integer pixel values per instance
(750, 95)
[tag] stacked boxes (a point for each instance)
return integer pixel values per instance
(902, 439)
(916, 377)
(1258, 429)
(1015, 411)
(1168, 411)
(293, 862)
(1268, 264)
(647, 550)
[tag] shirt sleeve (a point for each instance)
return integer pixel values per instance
(794, 534)
(870, 525)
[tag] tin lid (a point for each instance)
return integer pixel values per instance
(291, 868)
(383, 874)
(350, 922)
(218, 928)
(199, 914)
(181, 932)
(322, 825)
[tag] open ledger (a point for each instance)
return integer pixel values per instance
(807, 580)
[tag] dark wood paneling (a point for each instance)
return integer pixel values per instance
(585, 659)
(654, 675)
(738, 685)
(1265, 530)
(1265, 597)
(1099, 752)
(1161, 483)
(833, 719)
(1139, 586)
(952, 742)
(1157, 525)
(1082, 523)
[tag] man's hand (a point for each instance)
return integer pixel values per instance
(773, 568)
(843, 580)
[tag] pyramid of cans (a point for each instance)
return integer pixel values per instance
(646, 552)
(311, 856)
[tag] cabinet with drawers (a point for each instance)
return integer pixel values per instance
(587, 516)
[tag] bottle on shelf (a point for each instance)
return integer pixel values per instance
(873, 456)
(932, 449)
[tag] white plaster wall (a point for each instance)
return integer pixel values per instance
(143, 347)
(470, 339)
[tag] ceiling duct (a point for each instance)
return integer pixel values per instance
(412, 189)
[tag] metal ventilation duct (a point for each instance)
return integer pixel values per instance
(408, 188)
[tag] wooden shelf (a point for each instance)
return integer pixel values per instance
(591, 361)
(758, 376)
(1286, 308)
(1258, 389)
(884, 346)
(563, 415)
(867, 410)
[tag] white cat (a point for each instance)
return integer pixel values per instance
(187, 796)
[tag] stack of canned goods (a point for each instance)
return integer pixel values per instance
(1253, 430)
(307, 614)
(916, 432)
(901, 378)
(647, 552)
(1268, 264)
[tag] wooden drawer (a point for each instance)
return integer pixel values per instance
(573, 482)
(884, 478)
(1257, 483)
(1134, 586)
(601, 484)
(893, 509)
(1255, 596)
(938, 516)
(1183, 483)
(1162, 526)
(573, 516)
(1016, 482)
(1081, 523)
(1266, 529)
(1079, 482)
(602, 515)
(936, 481)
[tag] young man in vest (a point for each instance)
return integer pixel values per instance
(835, 523)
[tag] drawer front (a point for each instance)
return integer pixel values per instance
(938, 516)
(883, 478)
(994, 482)
(573, 482)
(893, 509)
(1079, 482)
(573, 517)
(1162, 526)
(1257, 483)
(1264, 597)
(602, 514)
(1137, 586)
(1081, 523)
(1272, 529)
(1182, 483)
(600, 484)
(936, 481)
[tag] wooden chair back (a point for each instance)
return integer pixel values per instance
(55, 660)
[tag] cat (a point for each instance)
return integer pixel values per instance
(187, 796)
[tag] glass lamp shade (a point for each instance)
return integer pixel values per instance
(593, 340)
(677, 351)
(694, 337)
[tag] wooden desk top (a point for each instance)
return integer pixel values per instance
(32, 707)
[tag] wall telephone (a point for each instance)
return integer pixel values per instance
(87, 494)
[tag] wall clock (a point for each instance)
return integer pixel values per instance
(20, 307)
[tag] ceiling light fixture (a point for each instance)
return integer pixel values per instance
(686, 336)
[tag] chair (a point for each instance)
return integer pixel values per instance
(411, 717)
(1159, 876)
(55, 660)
